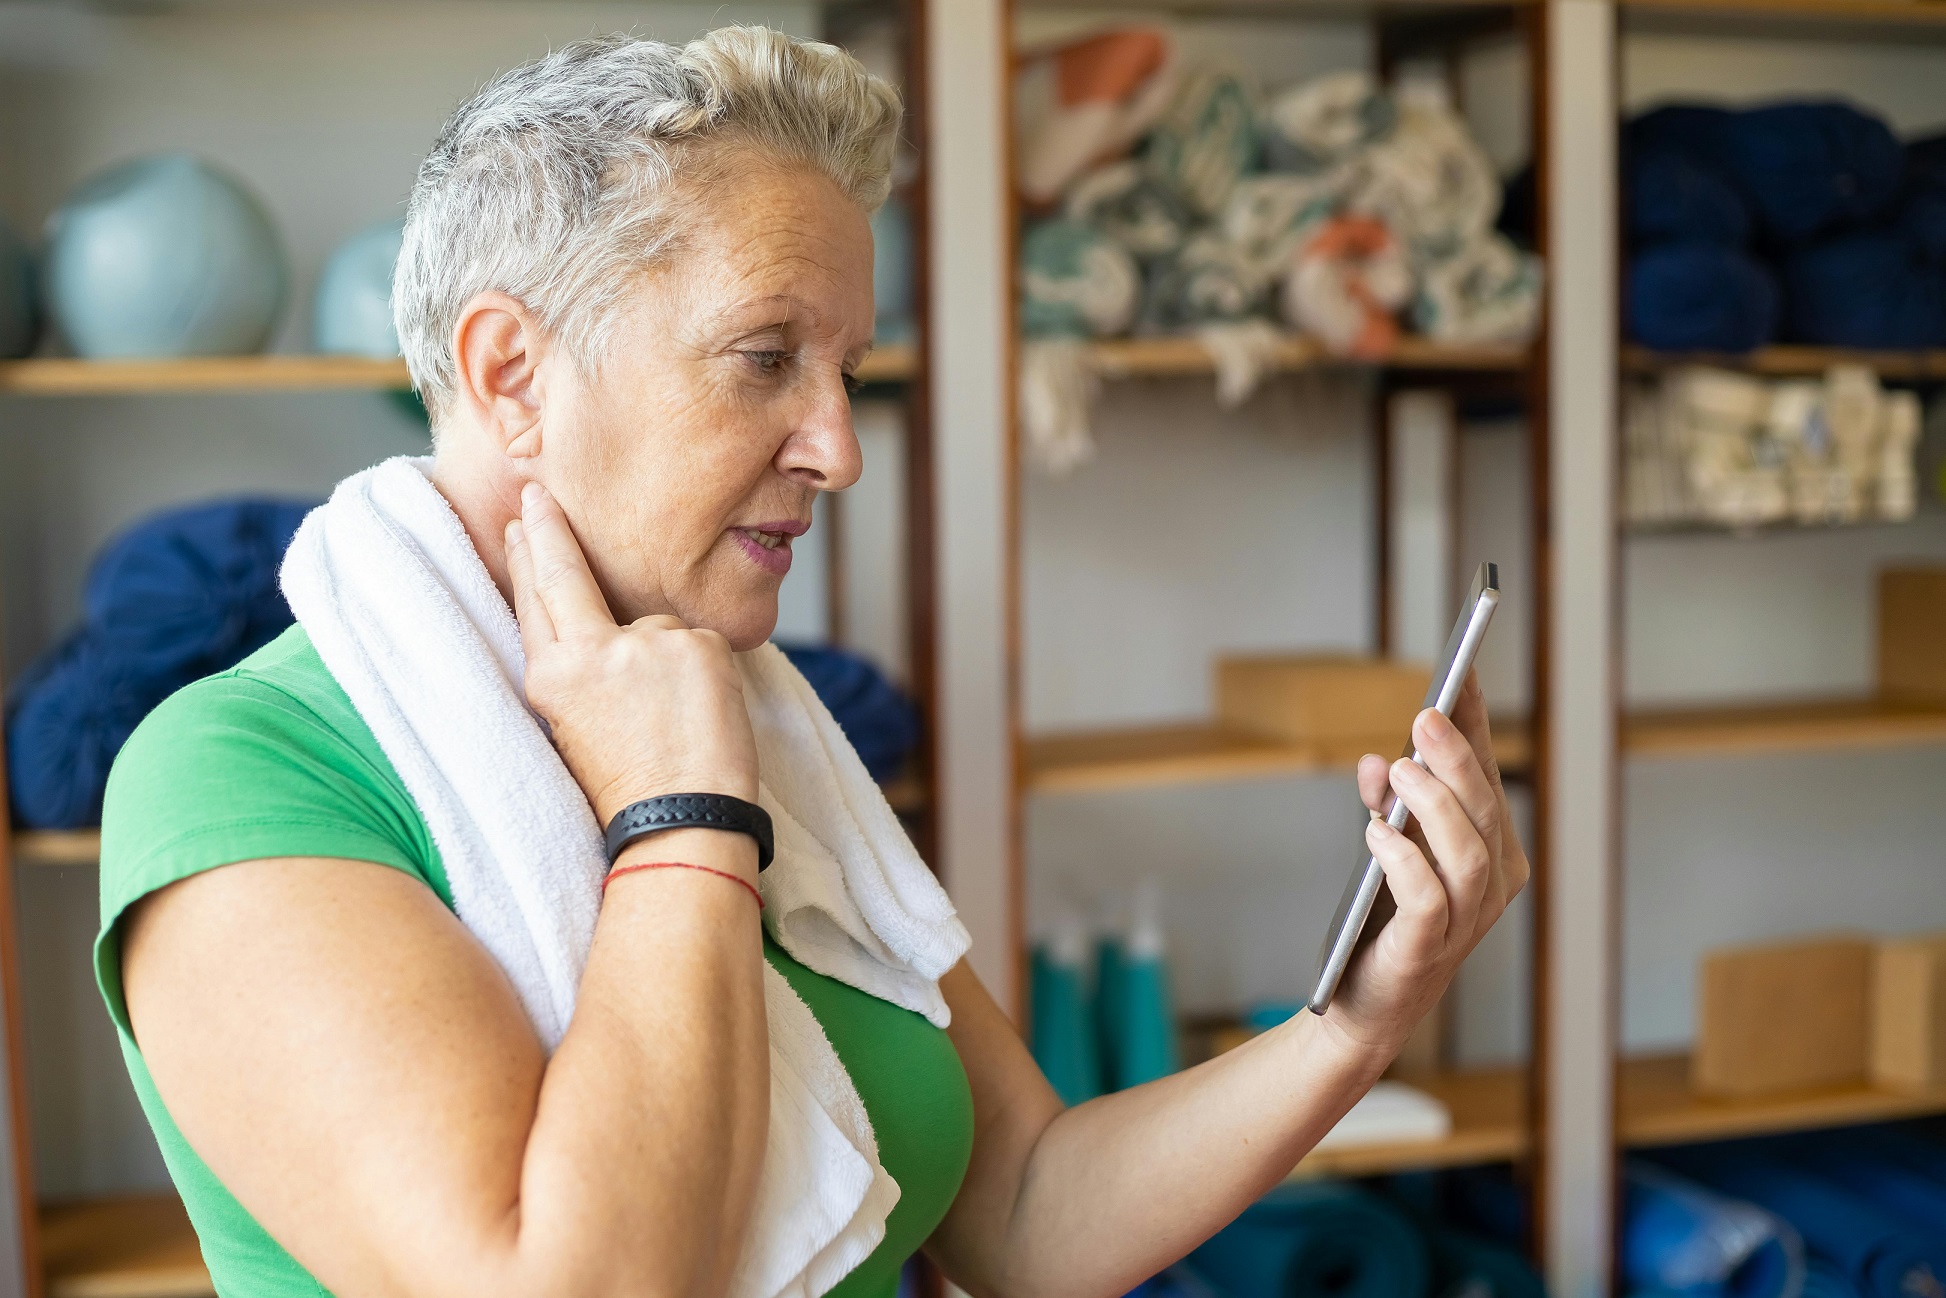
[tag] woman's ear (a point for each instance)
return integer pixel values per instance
(498, 351)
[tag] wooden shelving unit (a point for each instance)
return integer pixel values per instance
(1100, 761)
(1164, 357)
(1796, 361)
(65, 377)
(56, 846)
(1658, 1108)
(138, 1246)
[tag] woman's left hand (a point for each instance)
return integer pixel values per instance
(1451, 874)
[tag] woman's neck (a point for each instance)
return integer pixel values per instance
(486, 497)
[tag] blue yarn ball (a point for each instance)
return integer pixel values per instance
(353, 315)
(20, 317)
(164, 256)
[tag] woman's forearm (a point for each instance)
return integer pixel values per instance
(650, 1125)
(1120, 1187)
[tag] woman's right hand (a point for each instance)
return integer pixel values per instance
(637, 711)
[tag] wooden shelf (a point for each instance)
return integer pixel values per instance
(1487, 1106)
(1884, 20)
(141, 1246)
(62, 377)
(1293, 9)
(1656, 1107)
(1097, 761)
(1795, 361)
(1793, 726)
(1175, 356)
(56, 846)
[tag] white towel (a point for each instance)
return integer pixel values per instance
(387, 585)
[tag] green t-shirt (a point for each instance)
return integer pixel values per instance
(270, 759)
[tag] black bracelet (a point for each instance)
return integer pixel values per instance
(691, 811)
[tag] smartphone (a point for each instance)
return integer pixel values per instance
(1367, 883)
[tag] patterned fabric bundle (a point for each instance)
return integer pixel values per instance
(1268, 218)
(1318, 126)
(1430, 182)
(1350, 280)
(1489, 292)
(1088, 102)
(1208, 280)
(1058, 386)
(1132, 207)
(1075, 282)
(1207, 141)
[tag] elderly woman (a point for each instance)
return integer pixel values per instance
(426, 1031)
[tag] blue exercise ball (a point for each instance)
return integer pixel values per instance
(354, 307)
(164, 256)
(20, 317)
(892, 271)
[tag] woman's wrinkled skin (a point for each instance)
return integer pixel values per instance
(617, 505)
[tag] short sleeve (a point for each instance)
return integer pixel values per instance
(237, 768)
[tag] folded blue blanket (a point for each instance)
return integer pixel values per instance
(1700, 297)
(1679, 1237)
(1674, 197)
(1864, 290)
(1811, 167)
(1694, 130)
(177, 597)
(1894, 1172)
(881, 722)
(1874, 1251)
(1317, 1240)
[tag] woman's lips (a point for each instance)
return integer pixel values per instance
(769, 544)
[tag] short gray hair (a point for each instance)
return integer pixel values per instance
(558, 181)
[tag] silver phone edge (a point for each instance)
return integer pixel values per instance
(1361, 910)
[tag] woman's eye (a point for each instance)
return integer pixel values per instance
(768, 362)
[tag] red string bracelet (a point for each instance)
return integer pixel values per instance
(621, 870)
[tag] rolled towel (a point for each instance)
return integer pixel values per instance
(1429, 181)
(1466, 1267)
(1488, 292)
(1126, 203)
(1678, 1235)
(1864, 290)
(1209, 280)
(1309, 1240)
(1674, 197)
(1876, 1253)
(1350, 280)
(1825, 1280)
(1076, 282)
(1317, 126)
(1206, 141)
(175, 598)
(1878, 1166)
(1700, 297)
(1086, 102)
(1810, 167)
(1268, 218)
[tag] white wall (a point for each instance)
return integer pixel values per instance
(326, 111)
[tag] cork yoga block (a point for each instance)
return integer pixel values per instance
(1912, 634)
(1909, 1013)
(1321, 699)
(1784, 1017)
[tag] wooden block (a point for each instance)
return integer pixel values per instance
(1784, 1017)
(1909, 1013)
(1912, 634)
(1320, 699)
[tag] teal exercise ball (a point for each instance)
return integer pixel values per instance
(20, 317)
(892, 271)
(353, 315)
(164, 256)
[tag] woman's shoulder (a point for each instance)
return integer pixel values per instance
(267, 759)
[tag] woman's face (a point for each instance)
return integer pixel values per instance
(689, 462)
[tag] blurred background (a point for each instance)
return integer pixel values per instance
(1220, 340)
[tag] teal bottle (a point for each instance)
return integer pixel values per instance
(1062, 1036)
(1144, 1018)
(1107, 1007)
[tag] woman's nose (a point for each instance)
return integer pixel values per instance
(822, 451)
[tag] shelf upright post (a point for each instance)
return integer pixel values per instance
(1578, 759)
(20, 1265)
(969, 108)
